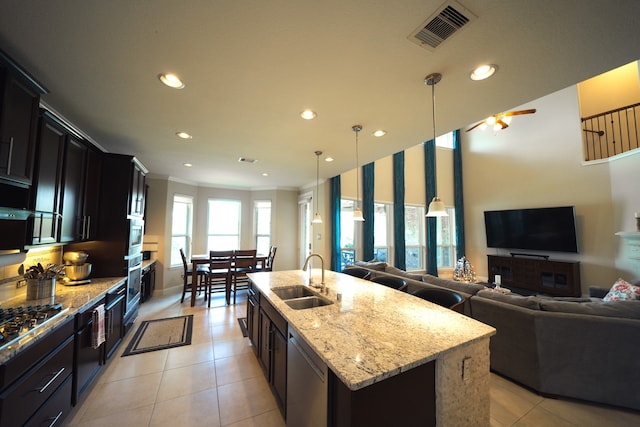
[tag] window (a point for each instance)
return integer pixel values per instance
(223, 229)
(445, 141)
(262, 217)
(347, 233)
(446, 238)
(181, 223)
(383, 231)
(414, 236)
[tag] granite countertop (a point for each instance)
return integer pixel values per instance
(73, 300)
(375, 332)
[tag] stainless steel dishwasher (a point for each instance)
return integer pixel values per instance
(307, 379)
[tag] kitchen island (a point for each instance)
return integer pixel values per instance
(373, 335)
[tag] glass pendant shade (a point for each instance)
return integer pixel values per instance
(317, 219)
(436, 208)
(357, 215)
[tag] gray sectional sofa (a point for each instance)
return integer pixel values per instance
(582, 348)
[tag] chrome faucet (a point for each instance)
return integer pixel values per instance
(304, 268)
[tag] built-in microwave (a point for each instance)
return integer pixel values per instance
(136, 233)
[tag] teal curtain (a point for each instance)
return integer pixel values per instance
(368, 186)
(458, 194)
(398, 210)
(430, 187)
(334, 204)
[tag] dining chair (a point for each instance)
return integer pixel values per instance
(187, 274)
(244, 261)
(219, 274)
(268, 263)
(443, 297)
(392, 282)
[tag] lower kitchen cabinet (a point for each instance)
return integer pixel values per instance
(87, 360)
(253, 302)
(148, 284)
(37, 384)
(114, 320)
(272, 351)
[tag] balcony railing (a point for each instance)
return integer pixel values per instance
(611, 133)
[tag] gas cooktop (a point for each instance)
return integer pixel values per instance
(17, 322)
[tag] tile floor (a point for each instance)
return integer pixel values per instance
(217, 381)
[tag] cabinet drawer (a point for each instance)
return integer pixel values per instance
(55, 410)
(23, 398)
(24, 361)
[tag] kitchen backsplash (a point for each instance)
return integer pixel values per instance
(10, 264)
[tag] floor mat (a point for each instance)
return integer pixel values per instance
(160, 334)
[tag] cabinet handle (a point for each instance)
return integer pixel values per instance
(56, 375)
(10, 155)
(55, 419)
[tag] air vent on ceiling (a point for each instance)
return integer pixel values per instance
(246, 160)
(450, 18)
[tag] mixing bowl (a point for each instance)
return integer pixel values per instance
(78, 272)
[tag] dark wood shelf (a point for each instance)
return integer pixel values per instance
(556, 278)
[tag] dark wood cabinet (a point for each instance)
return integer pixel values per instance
(37, 381)
(47, 187)
(87, 360)
(253, 302)
(148, 282)
(18, 127)
(556, 278)
(272, 351)
(114, 320)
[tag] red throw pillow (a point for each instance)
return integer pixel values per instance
(622, 290)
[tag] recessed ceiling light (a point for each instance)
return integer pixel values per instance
(171, 80)
(183, 135)
(308, 115)
(187, 165)
(328, 159)
(483, 72)
(246, 160)
(265, 174)
(379, 133)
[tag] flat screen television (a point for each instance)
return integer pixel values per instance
(539, 229)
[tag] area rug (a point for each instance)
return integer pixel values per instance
(242, 321)
(160, 334)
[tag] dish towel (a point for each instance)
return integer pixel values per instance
(97, 329)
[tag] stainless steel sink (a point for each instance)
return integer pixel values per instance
(294, 291)
(307, 302)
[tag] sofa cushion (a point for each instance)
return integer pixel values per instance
(398, 272)
(372, 265)
(468, 288)
(530, 302)
(629, 309)
(622, 290)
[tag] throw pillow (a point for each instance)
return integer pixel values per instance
(622, 290)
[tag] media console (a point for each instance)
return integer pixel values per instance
(556, 278)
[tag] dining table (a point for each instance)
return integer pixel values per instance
(203, 259)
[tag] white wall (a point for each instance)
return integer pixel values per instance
(536, 162)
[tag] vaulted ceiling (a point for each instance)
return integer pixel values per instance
(252, 66)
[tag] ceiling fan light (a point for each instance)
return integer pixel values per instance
(482, 126)
(506, 119)
(490, 120)
(436, 208)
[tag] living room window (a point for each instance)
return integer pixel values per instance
(223, 227)
(262, 226)
(446, 238)
(181, 227)
(383, 232)
(347, 233)
(414, 237)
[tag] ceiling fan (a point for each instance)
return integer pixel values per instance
(500, 121)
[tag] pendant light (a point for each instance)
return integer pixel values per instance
(317, 219)
(357, 212)
(436, 207)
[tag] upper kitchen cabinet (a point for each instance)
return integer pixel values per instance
(19, 101)
(47, 186)
(126, 191)
(81, 190)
